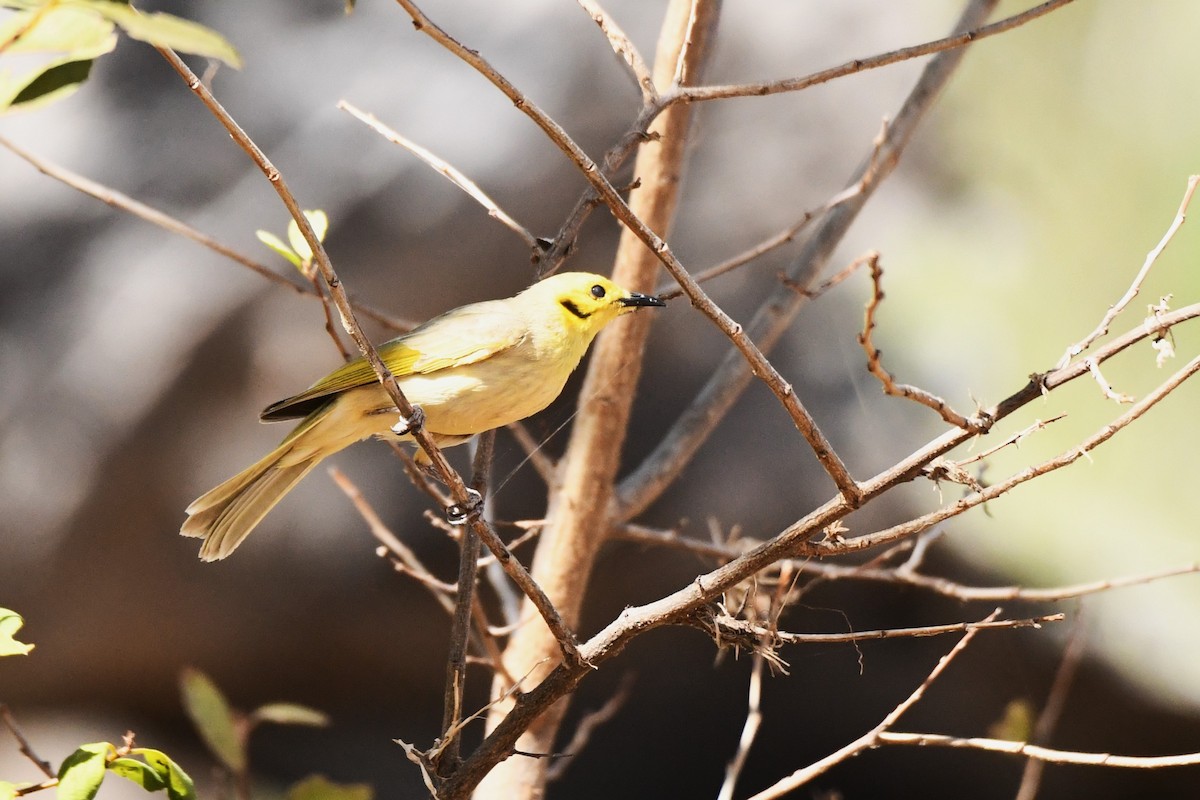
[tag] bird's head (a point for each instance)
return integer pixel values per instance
(586, 302)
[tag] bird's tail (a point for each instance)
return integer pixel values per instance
(225, 515)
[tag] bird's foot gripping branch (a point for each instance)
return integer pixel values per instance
(410, 424)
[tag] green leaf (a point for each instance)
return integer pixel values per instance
(81, 773)
(52, 83)
(8, 791)
(275, 243)
(213, 718)
(1017, 723)
(320, 224)
(166, 30)
(289, 714)
(179, 783)
(62, 29)
(10, 623)
(318, 787)
(140, 773)
(78, 35)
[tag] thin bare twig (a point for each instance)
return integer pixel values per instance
(623, 46)
(1138, 280)
(876, 368)
(464, 602)
(743, 633)
(983, 495)
(23, 745)
(1105, 387)
(749, 730)
(1056, 701)
(589, 724)
(1047, 754)
(446, 170)
(694, 94)
(123, 202)
(1011, 441)
(403, 556)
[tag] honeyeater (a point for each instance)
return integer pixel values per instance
(471, 369)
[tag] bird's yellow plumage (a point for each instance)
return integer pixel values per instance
(472, 369)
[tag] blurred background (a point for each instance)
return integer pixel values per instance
(133, 364)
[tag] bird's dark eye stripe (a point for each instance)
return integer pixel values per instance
(574, 309)
(597, 291)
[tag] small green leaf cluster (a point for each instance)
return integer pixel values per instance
(65, 37)
(296, 249)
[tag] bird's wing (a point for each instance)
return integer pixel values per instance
(465, 335)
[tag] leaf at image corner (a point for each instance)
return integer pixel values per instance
(213, 718)
(10, 623)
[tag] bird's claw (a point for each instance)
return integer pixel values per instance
(460, 513)
(407, 425)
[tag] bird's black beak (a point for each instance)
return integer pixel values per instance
(638, 299)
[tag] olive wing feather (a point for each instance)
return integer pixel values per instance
(459, 337)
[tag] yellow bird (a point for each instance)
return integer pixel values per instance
(471, 369)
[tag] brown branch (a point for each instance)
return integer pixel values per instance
(904, 574)
(1047, 754)
(1105, 387)
(876, 368)
(403, 558)
(409, 417)
(464, 602)
(731, 377)
(693, 94)
(589, 724)
(744, 634)
(733, 769)
(624, 48)
(1056, 701)
(997, 594)
(577, 514)
(1003, 487)
(1138, 280)
(446, 170)
(123, 202)
(23, 745)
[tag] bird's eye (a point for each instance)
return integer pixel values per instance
(597, 291)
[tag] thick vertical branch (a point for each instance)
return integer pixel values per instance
(578, 517)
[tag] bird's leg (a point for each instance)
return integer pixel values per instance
(459, 513)
(407, 425)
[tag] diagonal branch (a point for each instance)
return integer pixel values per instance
(119, 200)
(693, 94)
(731, 377)
(873, 736)
(446, 170)
(1138, 280)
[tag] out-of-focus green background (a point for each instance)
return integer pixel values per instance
(133, 364)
